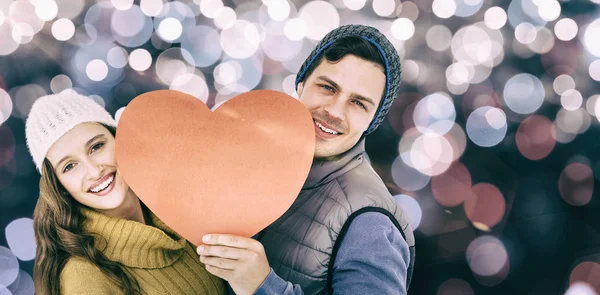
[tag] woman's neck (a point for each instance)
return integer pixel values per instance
(130, 209)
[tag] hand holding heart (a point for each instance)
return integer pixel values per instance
(240, 261)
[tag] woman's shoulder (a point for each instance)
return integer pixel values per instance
(81, 276)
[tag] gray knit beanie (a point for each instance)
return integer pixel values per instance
(393, 71)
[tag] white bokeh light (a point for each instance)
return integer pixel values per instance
(403, 29)
(525, 33)
(6, 106)
(580, 288)
(151, 7)
(63, 29)
(118, 114)
(549, 10)
(226, 18)
(487, 256)
(122, 4)
(191, 84)
(140, 60)
(434, 114)
(211, 8)
(571, 100)
(411, 208)
(278, 10)
(9, 267)
(240, 41)
(117, 57)
(384, 8)
(438, 37)
(96, 70)
(407, 177)
(566, 29)
(170, 29)
(594, 70)
(60, 83)
(487, 126)
(563, 83)
(320, 18)
(524, 93)
(443, 8)
(495, 18)
(354, 4)
(22, 33)
(46, 10)
(295, 29)
(21, 239)
(590, 38)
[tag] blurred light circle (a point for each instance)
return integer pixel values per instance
(590, 38)
(70, 9)
(460, 73)
(60, 82)
(597, 108)
(278, 10)
(403, 29)
(226, 18)
(550, 10)
(170, 29)
(410, 71)
(191, 84)
(586, 272)
(580, 288)
(435, 114)
(21, 239)
(571, 100)
(295, 29)
(22, 33)
(430, 154)
(525, 33)
(118, 114)
(408, 178)
(6, 106)
(577, 121)
(320, 18)
(131, 27)
(408, 9)
(458, 140)
(524, 93)
(565, 29)
(7, 44)
(9, 267)
(22, 285)
(2, 17)
(536, 137)
(96, 70)
(46, 10)
(211, 8)
(289, 85)
(455, 287)
(24, 97)
(590, 104)
(457, 89)
(122, 4)
(240, 41)
(486, 126)
(172, 63)
(443, 8)
(23, 11)
(63, 29)
(594, 70)
(86, 35)
(438, 37)
(202, 42)
(495, 17)
(524, 11)
(544, 41)
(354, 4)
(117, 57)
(384, 8)
(228, 72)
(277, 46)
(140, 60)
(472, 44)
(411, 208)
(151, 7)
(485, 206)
(563, 83)
(576, 184)
(452, 187)
(466, 8)
(487, 256)
(7, 145)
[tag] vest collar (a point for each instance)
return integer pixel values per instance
(323, 171)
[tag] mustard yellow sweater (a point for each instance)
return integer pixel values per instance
(158, 258)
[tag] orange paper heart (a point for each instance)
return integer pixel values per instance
(234, 171)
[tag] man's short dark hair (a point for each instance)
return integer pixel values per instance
(343, 46)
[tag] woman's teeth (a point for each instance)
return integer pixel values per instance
(103, 185)
(325, 129)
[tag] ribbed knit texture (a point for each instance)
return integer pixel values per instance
(158, 258)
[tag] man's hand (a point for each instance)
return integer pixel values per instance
(240, 261)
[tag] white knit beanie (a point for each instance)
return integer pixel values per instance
(52, 116)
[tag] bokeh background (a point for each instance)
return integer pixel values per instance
(492, 146)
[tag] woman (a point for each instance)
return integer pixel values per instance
(93, 234)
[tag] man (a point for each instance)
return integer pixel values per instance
(345, 233)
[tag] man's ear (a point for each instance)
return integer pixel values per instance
(300, 88)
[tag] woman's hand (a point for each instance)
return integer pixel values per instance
(240, 261)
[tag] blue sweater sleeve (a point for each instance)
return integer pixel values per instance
(358, 269)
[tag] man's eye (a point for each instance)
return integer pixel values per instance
(327, 87)
(360, 104)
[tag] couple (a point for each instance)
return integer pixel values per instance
(343, 234)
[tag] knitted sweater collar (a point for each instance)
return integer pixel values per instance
(134, 244)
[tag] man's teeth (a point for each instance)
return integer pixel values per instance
(325, 129)
(103, 185)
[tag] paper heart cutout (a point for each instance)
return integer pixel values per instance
(231, 171)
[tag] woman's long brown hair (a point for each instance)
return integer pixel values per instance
(58, 226)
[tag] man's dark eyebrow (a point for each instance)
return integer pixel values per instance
(354, 95)
(86, 144)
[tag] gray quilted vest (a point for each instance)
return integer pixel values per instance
(302, 244)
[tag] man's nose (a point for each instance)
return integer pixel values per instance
(336, 108)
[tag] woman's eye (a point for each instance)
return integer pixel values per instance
(68, 167)
(97, 146)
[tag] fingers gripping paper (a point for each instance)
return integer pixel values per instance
(233, 171)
